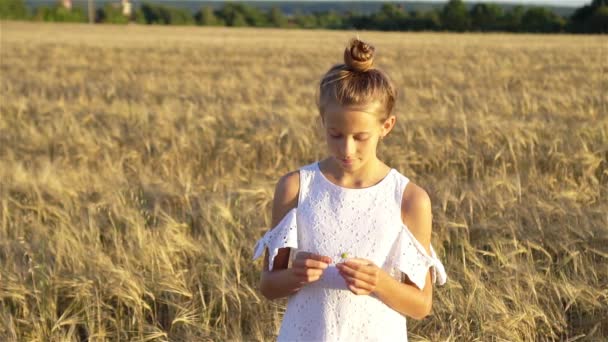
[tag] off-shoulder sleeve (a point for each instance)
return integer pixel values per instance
(283, 235)
(413, 260)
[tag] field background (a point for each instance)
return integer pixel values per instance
(137, 168)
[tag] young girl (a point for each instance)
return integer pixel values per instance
(362, 230)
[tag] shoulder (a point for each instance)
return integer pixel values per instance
(416, 213)
(288, 186)
(285, 199)
(285, 195)
(415, 200)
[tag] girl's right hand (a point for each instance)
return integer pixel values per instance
(309, 267)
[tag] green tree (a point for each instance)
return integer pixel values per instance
(60, 14)
(180, 17)
(455, 17)
(13, 9)
(598, 23)
(540, 19)
(390, 18)
(424, 21)
(512, 20)
(206, 16)
(232, 14)
(255, 17)
(589, 18)
(393, 10)
(237, 14)
(111, 14)
(486, 17)
(159, 14)
(139, 17)
(276, 17)
(329, 19)
(239, 20)
(305, 20)
(360, 22)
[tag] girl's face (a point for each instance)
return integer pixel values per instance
(353, 132)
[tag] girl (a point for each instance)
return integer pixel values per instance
(362, 230)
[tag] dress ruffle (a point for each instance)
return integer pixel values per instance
(283, 235)
(413, 260)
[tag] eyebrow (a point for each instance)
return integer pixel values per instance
(365, 132)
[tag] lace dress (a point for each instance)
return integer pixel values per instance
(364, 223)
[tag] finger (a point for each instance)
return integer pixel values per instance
(315, 264)
(308, 255)
(307, 276)
(357, 276)
(310, 263)
(308, 279)
(303, 255)
(314, 272)
(359, 261)
(308, 272)
(356, 290)
(321, 258)
(358, 283)
(365, 268)
(346, 271)
(363, 285)
(357, 271)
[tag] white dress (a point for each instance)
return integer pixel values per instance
(364, 223)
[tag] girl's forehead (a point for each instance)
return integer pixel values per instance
(336, 108)
(351, 117)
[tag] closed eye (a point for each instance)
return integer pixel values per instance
(358, 138)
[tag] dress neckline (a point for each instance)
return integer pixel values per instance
(343, 188)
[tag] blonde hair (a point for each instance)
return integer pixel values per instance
(357, 82)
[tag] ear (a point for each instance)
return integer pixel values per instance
(388, 125)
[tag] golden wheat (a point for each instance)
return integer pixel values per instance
(137, 167)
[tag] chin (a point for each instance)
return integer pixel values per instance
(350, 166)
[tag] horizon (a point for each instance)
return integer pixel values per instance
(554, 3)
(559, 3)
(566, 3)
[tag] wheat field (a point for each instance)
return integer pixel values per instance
(138, 164)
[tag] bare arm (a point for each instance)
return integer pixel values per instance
(405, 297)
(280, 282)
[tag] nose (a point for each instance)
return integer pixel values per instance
(348, 147)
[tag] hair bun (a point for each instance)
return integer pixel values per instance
(359, 55)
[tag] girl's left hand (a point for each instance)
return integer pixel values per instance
(362, 276)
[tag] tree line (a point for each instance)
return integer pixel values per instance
(453, 16)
